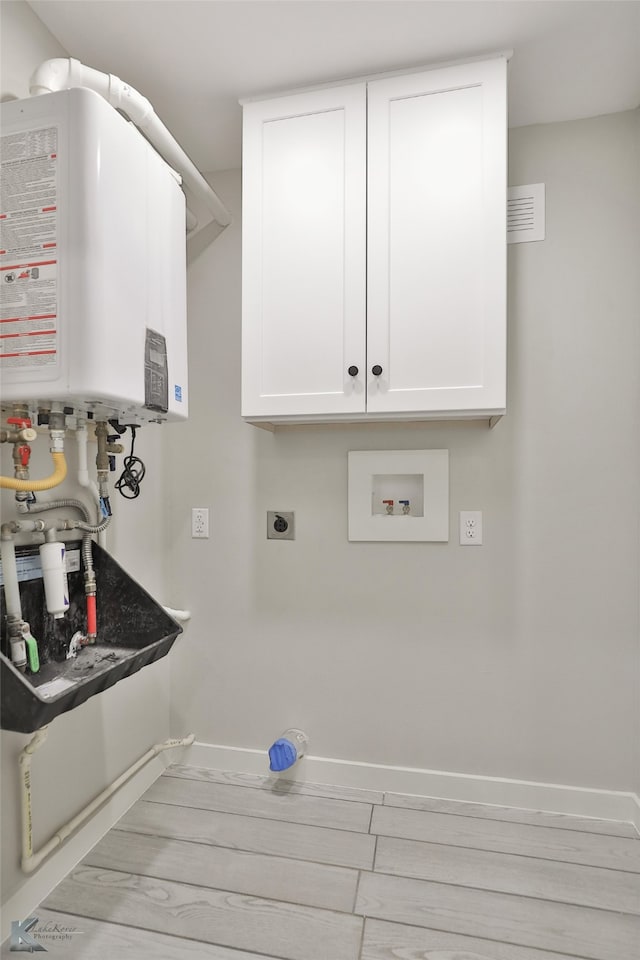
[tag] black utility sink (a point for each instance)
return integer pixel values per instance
(133, 630)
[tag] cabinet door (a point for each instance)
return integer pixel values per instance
(437, 240)
(304, 254)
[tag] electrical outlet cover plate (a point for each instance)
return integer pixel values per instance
(471, 528)
(199, 523)
(280, 525)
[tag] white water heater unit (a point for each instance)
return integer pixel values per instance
(92, 263)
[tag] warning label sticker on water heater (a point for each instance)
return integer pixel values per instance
(28, 249)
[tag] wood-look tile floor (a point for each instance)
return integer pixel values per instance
(220, 866)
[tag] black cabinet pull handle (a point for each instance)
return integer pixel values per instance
(377, 370)
(353, 371)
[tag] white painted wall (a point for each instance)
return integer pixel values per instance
(24, 43)
(517, 659)
(90, 746)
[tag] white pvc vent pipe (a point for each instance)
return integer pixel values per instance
(65, 74)
(31, 860)
(181, 615)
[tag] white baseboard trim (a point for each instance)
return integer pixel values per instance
(39, 885)
(525, 794)
(557, 798)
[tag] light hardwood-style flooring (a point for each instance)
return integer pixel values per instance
(220, 866)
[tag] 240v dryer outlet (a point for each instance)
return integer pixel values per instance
(280, 525)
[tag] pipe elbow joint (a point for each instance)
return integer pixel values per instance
(50, 76)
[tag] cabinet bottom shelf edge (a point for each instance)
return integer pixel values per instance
(489, 417)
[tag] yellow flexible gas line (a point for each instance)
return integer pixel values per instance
(53, 480)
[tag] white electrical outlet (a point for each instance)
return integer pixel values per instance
(199, 523)
(471, 528)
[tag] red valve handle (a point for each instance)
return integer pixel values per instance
(21, 422)
(388, 501)
(25, 453)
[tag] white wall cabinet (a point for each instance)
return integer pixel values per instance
(374, 249)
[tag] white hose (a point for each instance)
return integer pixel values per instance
(24, 763)
(31, 860)
(181, 615)
(85, 481)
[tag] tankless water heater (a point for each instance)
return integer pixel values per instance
(92, 263)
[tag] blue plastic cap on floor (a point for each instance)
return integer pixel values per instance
(282, 755)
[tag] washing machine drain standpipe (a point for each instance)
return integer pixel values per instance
(287, 749)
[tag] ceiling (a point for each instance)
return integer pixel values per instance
(194, 59)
